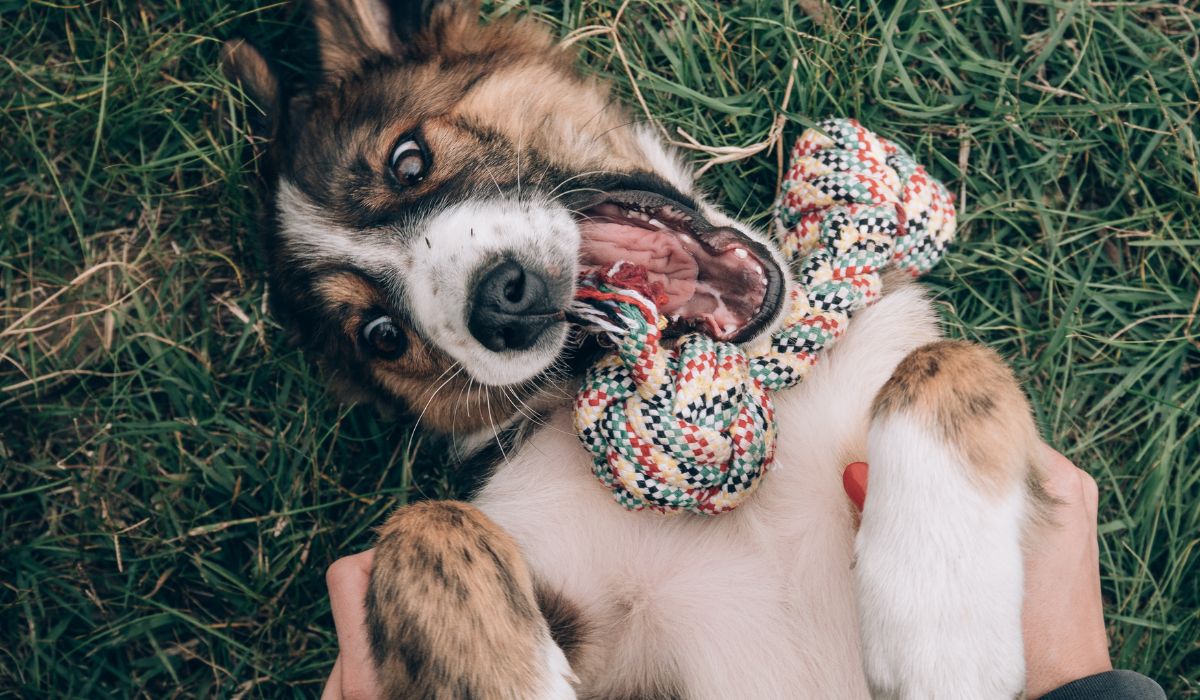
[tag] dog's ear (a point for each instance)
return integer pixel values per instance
(410, 17)
(350, 32)
(244, 65)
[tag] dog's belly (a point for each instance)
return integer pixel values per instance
(753, 603)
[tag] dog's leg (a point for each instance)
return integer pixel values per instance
(952, 485)
(452, 611)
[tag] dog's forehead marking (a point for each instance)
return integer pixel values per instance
(313, 238)
(543, 107)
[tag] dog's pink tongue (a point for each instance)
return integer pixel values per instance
(663, 256)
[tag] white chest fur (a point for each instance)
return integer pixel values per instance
(754, 603)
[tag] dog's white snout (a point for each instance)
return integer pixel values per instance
(504, 272)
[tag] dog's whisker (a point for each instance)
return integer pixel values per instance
(499, 190)
(466, 394)
(463, 398)
(496, 432)
(574, 190)
(579, 175)
(611, 100)
(417, 424)
(619, 126)
(435, 387)
(519, 405)
(520, 148)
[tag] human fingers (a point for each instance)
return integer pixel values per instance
(1061, 478)
(333, 685)
(348, 579)
(1064, 612)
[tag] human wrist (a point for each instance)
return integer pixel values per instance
(1054, 671)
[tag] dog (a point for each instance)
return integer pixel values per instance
(430, 201)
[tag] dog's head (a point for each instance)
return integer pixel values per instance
(435, 195)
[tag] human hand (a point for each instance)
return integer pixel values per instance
(1063, 616)
(353, 675)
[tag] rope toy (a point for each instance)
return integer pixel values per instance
(691, 427)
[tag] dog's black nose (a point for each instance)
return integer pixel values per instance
(511, 308)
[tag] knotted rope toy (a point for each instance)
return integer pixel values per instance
(690, 427)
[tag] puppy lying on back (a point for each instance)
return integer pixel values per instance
(432, 201)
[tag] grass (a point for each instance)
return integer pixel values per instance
(175, 480)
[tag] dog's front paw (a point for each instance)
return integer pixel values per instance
(939, 569)
(452, 611)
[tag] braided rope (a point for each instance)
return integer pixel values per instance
(691, 427)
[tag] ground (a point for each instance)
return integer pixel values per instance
(175, 480)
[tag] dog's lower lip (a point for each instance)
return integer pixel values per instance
(754, 265)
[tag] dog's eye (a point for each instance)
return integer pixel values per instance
(408, 162)
(385, 338)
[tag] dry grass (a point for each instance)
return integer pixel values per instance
(175, 480)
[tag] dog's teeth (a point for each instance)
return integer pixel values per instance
(758, 269)
(657, 224)
(743, 254)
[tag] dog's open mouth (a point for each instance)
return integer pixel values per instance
(716, 280)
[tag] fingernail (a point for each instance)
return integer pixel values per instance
(854, 481)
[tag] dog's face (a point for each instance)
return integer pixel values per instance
(435, 196)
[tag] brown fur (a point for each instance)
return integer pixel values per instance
(568, 628)
(968, 394)
(474, 108)
(464, 87)
(247, 68)
(424, 376)
(243, 64)
(348, 32)
(451, 608)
